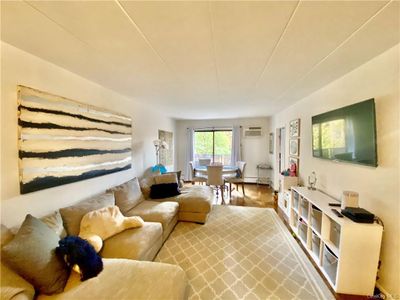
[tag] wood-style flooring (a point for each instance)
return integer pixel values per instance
(255, 196)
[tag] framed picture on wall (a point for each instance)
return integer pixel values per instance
(294, 128)
(271, 143)
(294, 147)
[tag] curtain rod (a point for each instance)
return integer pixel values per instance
(215, 127)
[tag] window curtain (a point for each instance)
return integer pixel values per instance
(189, 152)
(236, 154)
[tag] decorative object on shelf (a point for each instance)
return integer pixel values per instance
(166, 154)
(295, 161)
(294, 128)
(294, 147)
(271, 143)
(293, 169)
(63, 141)
(312, 181)
(349, 199)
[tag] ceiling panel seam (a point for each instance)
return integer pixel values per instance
(332, 52)
(59, 25)
(214, 49)
(144, 37)
(267, 63)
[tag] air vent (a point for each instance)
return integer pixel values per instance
(253, 131)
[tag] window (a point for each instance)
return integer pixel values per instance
(213, 144)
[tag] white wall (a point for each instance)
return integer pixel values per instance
(378, 187)
(254, 150)
(19, 67)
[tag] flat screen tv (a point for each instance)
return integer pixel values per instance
(347, 134)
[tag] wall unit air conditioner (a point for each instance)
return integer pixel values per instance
(253, 131)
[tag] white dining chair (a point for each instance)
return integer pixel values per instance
(195, 177)
(238, 179)
(215, 178)
(204, 161)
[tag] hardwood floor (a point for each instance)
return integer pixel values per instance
(256, 196)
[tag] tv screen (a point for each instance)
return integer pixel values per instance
(347, 134)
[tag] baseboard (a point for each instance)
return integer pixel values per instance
(388, 296)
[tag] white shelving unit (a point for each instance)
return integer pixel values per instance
(284, 195)
(346, 252)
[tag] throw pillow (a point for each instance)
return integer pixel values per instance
(178, 175)
(32, 255)
(127, 195)
(166, 178)
(72, 215)
(164, 190)
(55, 222)
(98, 225)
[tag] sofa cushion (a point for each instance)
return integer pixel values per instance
(6, 235)
(145, 186)
(135, 243)
(166, 178)
(32, 255)
(128, 279)
(127, 195)
(153, 211)
(195, 198)
(72, 215)
(14, 286)
(164, 190)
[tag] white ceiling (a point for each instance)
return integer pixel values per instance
(201, 60)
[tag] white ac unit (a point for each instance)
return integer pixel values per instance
(253, 131)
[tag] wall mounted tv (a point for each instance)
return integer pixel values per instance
(347, 134)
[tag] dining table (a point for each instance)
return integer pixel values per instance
(226, 170)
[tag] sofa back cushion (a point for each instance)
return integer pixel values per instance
(145, 186)
(127, 195)
(55, 222)
(72, 215)
(32, 255)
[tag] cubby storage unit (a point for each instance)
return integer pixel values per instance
(346, 252)
(284, 195)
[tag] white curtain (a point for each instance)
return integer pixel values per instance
(236, 154)
(189, 152)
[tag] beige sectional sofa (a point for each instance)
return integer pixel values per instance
(126, 273)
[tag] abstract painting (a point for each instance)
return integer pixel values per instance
(63, 141)
(166, 155)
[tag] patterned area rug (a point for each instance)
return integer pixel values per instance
(242, 253)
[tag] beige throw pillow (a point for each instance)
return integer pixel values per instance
(72, 215)
(103, 223)
(127, 195)
(166, 178)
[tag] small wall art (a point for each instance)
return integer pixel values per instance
(294, 128)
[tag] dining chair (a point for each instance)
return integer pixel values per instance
(215, 178)
(196, 178)
(204, 161)
(238, 179)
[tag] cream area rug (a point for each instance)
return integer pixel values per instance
(242, 253)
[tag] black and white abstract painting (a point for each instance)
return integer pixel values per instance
(63, 141)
